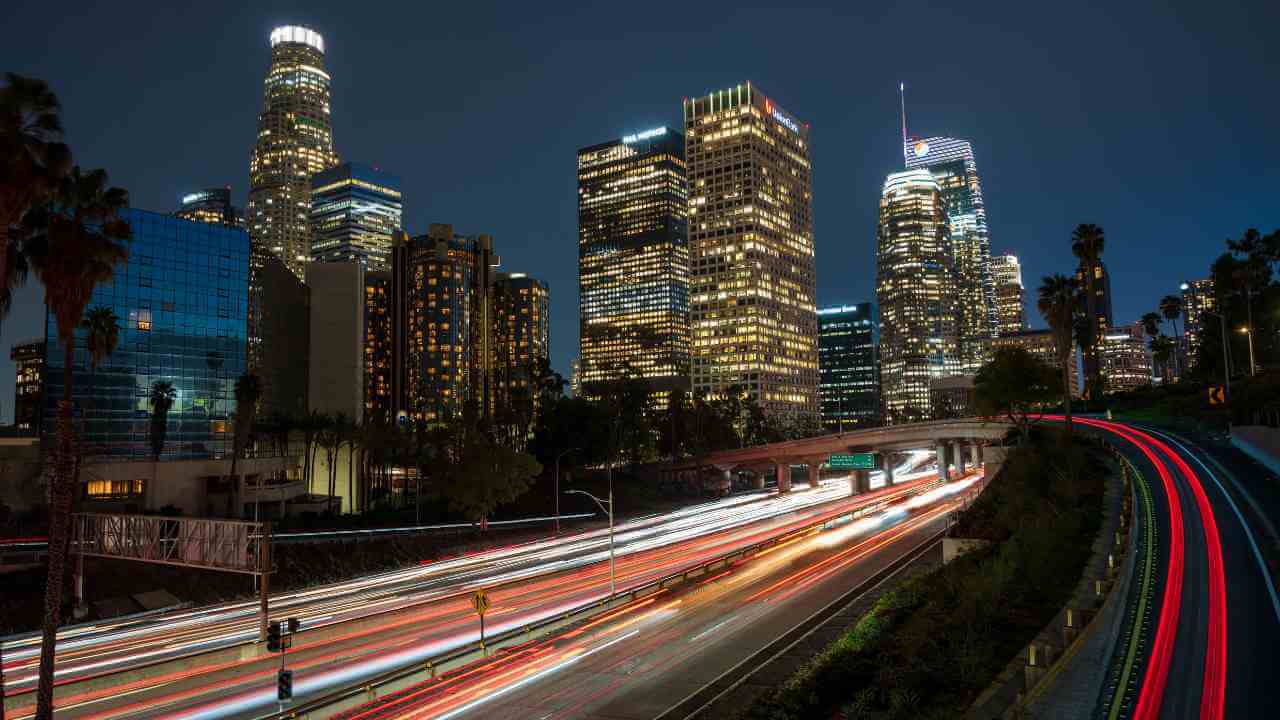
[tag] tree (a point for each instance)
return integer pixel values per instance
(1057, 304)
(1162, 348)
(33, 158)
(248, 391)
(486, 475)
(1171, 309)
(1151, 323)
(101, 328)
(163, 396)
(1087, 244)
(1013, 383)
(73, 244)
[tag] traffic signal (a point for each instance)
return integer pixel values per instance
(294, 625)
(273, 637)
(284, 685)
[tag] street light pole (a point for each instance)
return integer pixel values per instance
(1226, 367)
(1253, 368)
(613, 586)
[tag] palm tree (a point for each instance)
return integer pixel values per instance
(1151, 323)
(1171, 309)
(248, 391)
(1161, 349)
(72, 246)
(163, 395)
(102, 335)
(1057, 304)
(1087, 244)
(33, 159)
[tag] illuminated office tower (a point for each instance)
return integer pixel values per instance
(521, 336)
(848, 360)
(1124, 358)
(916, 292)
(952, 164)
(751, 251)
(441, 292)
(210, 206)
(633, 261)
(295, 141)
(355, 210)
(1006, 274)
(1197, 299)
(1103, 319)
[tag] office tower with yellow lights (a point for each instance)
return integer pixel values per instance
(952, 164)
(210, 206)
(295, 141)
(916, 290)
(1197, 299)
(1006, 274)
(633, 261)
(751, 251)
(355, 211)
(442, 319)
(521, 338)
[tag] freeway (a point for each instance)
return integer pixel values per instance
(366, 619)
(638, 661)
(1211, 650)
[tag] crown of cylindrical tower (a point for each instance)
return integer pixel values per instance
(297, 34)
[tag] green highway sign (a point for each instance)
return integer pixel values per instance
(855, 461)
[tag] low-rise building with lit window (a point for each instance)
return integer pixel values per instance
(28, 385)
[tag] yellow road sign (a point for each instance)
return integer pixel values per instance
(480, 601)
(1216, 395)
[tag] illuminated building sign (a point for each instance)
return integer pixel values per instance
(652, 133)
(922, 148)
(777, 115)
(195, 197)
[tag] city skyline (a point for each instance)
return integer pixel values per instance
(159, 168)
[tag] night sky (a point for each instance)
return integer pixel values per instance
(1158, 124)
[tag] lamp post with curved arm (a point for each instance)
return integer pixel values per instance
(557, 490)
(613, 587)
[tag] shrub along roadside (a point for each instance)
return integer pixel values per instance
(928, 648)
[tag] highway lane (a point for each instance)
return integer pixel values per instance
(424, 622)
(638, 661)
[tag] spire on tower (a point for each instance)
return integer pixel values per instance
(902, 95)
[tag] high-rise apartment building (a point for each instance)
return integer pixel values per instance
(848, 365)
(379, 348)
(920, 317)
(1124, 358)
(295, 141)
(212, 205)
(1006, 274)
(1102, 306)
(181, 300)
(521, 333)
(751, 250)
(28, 385)
(952, 164)
(441, 287)
(1197, 299)
(633, 261)
(355, 211)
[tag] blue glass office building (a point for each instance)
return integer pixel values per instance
(848, 366)
(355, 210)
(182, 300)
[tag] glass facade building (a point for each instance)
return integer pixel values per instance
(920, 315)
(182, 301)
(294, 142)
(849, 366)
(633, 261)
(751, 251)
(355, 211)
(952, 164)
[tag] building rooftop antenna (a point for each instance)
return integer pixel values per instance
(902, 96)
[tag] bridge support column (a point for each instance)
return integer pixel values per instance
(975, 455)
(812, 467)
(861, 481)
(782, 473)
(958, 457)
(888, 462)
(944, 472)
(757, 483)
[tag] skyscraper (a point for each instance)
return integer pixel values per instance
(28, 385)
(849, 367)
(1006, 273)
(355, 210)
(952, 163)
(1102, 309)
(633, 260)
(1197, 299)
(212, 205)
(521, 333)
(751, 249)
(441, 286)
(916, 292)
(295, 141)
(1124, 358)
(379, 348)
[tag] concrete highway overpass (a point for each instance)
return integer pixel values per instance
(957, 442)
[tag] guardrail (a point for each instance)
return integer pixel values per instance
(394, 680)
